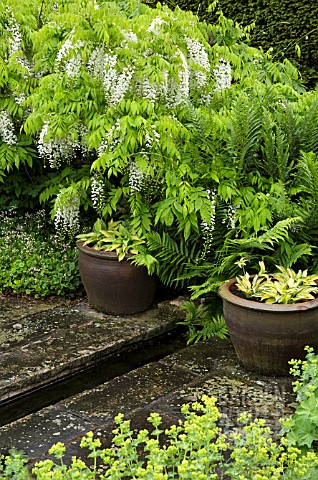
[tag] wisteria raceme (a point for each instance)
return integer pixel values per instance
(98, 193)
(152, 138)
(97, 63)
(67, 214)
(197, 53)
(15, 36)
(19, 99)
(72, 65)
(64, 50)
(184, 77)
(26, 65)
(58, 150)
(120, 86)
(145, 88)
(7, 133)
(116, 84)
(208, 228)
(110, 73)
(130, 37)
(230, 218)
(136, 178)
(150, 90)
(178, 92)
(155, 25)
(111, 140)
(223, 75)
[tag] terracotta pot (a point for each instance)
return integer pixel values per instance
(114, 287)
(267, 336)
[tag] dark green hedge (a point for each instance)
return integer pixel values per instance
(280, 24)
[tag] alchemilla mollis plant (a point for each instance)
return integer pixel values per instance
(193, 449)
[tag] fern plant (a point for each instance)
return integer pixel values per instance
(203, 321)
(173, 258)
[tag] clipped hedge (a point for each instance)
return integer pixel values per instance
(278, 23)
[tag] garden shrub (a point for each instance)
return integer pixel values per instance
(204, 144)
(34, 260)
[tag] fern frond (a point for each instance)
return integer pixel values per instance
(173, 258)
(284, 164)
(289, 253)
(203, 323)
(308, 129)
(245, 131)
(279, 232)
(210, 285)
(252, 247)
(307, 175)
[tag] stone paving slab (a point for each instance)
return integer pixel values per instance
(127, 392)
(162, 387)
(41, 345)
(36, 433)
(138, 421)
(44, 346)
(234, 397)
(12, 309)
(218, 355)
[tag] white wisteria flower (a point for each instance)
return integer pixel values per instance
(57, 150)
(208, 228)
(15, 36)
(72, 64)
(7, 132)
(136, 178)
(130, 37)
(197, 53)
(156, 25)
(98, 193)
(120, 86)
(231, 216)
(223, 75)
(152, 137)
(67, 213)
(116, 84)
(178, 92)
(111, 140)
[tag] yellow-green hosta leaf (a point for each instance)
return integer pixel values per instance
(107, 234)
(114, 246)
(270, 300)
(121, 255)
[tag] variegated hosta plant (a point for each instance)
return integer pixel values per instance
(285, 286)
(113, 237)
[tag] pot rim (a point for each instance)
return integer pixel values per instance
(102, 254)
(227, 295)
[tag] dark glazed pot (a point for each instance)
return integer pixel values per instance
(267, 336)
(114, 287)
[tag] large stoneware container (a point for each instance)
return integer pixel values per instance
(114, 287)
(267, 336)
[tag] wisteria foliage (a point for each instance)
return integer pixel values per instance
(152, 116)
